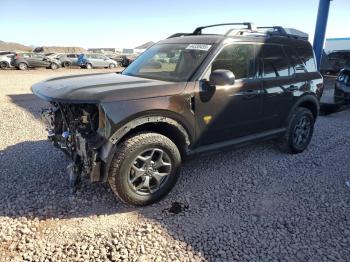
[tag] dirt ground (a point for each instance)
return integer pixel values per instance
(249, 204)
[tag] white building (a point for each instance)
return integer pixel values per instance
(333, 44)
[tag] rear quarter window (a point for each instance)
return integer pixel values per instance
(306, 55)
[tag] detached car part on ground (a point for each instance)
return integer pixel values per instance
(24, 61)
(184, 96)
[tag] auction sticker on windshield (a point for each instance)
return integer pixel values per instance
(198, 47)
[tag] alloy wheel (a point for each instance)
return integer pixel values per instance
(149, 171)
(302, 131)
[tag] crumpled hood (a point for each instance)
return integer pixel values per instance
(102, 87)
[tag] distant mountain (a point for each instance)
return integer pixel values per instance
(145, 46)
(8, 46)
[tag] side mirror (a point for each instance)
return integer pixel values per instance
(221, 77)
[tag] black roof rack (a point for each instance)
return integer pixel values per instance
(281, 31)
(198, 30)
(251, 30)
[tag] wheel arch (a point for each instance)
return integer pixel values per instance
(164, 125)
(308, 101)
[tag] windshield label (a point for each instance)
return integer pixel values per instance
(198, 47)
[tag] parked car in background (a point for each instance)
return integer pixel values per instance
(7, 59)
(338, 60)
(123, 60)
(24, 61)
(68, 60)
(135, 128)
(342, 86)
(6, 53)
(98, 60)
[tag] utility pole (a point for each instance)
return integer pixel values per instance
(320, 31)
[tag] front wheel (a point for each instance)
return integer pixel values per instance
(299, 131)
(22, 66)
(111, 66)
(88, 66)
(54, 66)
(144, 169)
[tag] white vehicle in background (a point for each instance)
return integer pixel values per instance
(6, 59)
(98, 60)
(68, 60)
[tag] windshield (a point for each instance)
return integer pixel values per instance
(169, 62)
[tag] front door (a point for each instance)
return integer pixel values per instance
(230, 111)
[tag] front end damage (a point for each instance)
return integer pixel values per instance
(74, 128)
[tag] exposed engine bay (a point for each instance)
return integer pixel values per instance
(73, 128)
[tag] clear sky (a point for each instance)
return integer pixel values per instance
(108, 23)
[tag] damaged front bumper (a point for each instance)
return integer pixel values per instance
(80, 144)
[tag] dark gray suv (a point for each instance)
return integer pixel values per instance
(185, 96)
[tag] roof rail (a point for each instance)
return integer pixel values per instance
(252, 30)
(281, 31)
(179, 35)
(198, 30)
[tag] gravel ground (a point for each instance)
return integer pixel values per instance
(250, 204)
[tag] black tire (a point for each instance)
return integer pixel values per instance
(4, 65)
(88, 66)
(54, 66)
(289, 142)
(66, 64)
(22, 66)
(111, 66)
(126, 157)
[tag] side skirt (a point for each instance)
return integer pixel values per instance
(237, 142)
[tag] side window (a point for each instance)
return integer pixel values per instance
(71, 56)
(294, 60)
(275, 62)
(238, 58)
(307, 56)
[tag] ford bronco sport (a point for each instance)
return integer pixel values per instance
(184, 96)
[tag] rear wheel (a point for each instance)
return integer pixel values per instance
(299, 131)
(22, 66)
(144, 169)
(4, 65)
(88, 66)
(66, 64)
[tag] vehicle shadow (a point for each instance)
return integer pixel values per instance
(29, 102)
(35, 185)
(220, 200)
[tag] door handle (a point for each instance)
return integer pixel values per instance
(251, 93)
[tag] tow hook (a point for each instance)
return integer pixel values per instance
(74, 177)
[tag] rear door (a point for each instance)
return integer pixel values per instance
(104, 61)
(231, 111)
(279, 82)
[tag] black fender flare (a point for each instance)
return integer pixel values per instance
(107, 151)
(302, 100)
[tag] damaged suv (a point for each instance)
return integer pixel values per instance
(186, 95)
